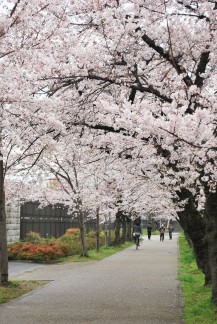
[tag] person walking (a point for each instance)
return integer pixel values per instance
(162, 231)
(170, 230)
(149, 229)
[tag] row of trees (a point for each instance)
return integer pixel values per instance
(117, 101)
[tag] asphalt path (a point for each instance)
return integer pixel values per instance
(132, 286)
(17, 267)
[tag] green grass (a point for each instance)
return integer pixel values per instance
(15, 289)
(198, 308)
(153, 232)
(104, 252)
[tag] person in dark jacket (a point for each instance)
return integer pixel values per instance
(149, 228)
(137, 231)
(170, 230)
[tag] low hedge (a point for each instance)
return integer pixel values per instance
(36, 251)
(36, 248)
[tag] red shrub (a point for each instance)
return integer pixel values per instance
(36, 251)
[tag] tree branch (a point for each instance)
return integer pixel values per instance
(173, 61)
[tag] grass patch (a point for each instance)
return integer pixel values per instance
(93, 255)
(153, 232)
(198, 307)
(15, 289)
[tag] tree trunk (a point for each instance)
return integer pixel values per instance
(211, 231)
(124, 229)
(82, 230)
(194, 226)
(97, 229)
(117, 239)
(129, 228)
(109, 231)
(82, 234)
(3, 231)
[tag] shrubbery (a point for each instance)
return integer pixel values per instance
(33, 237)
(72, 231)
(71, 241)
(36, 248)
(36, 251)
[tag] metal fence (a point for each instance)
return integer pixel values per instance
(48, 221)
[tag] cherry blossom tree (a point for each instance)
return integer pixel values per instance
(18, 35)
(148, 70)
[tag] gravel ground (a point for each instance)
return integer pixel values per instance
(132, 286)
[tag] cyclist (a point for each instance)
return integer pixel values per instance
(137, 231)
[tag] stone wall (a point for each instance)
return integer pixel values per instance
(13, 222)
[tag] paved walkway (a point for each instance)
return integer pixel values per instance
(128, 287)
(17, 267)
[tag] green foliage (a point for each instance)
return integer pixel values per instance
(73, 232)
(72, 244)
(198, 307)
(153, 232)
(33, 237)
(91, 239)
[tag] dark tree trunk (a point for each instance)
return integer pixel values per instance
(109, 231)
(124, 229)
(117, 239)
(194, 226)
(82, 229)
(211, 231)
(3, 231)
(129, 228)
(82, 234)
(97, 229)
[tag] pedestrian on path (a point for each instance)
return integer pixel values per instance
(170, 229)
(162, 231)
(149, 229)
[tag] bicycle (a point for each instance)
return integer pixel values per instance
(136, 240)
